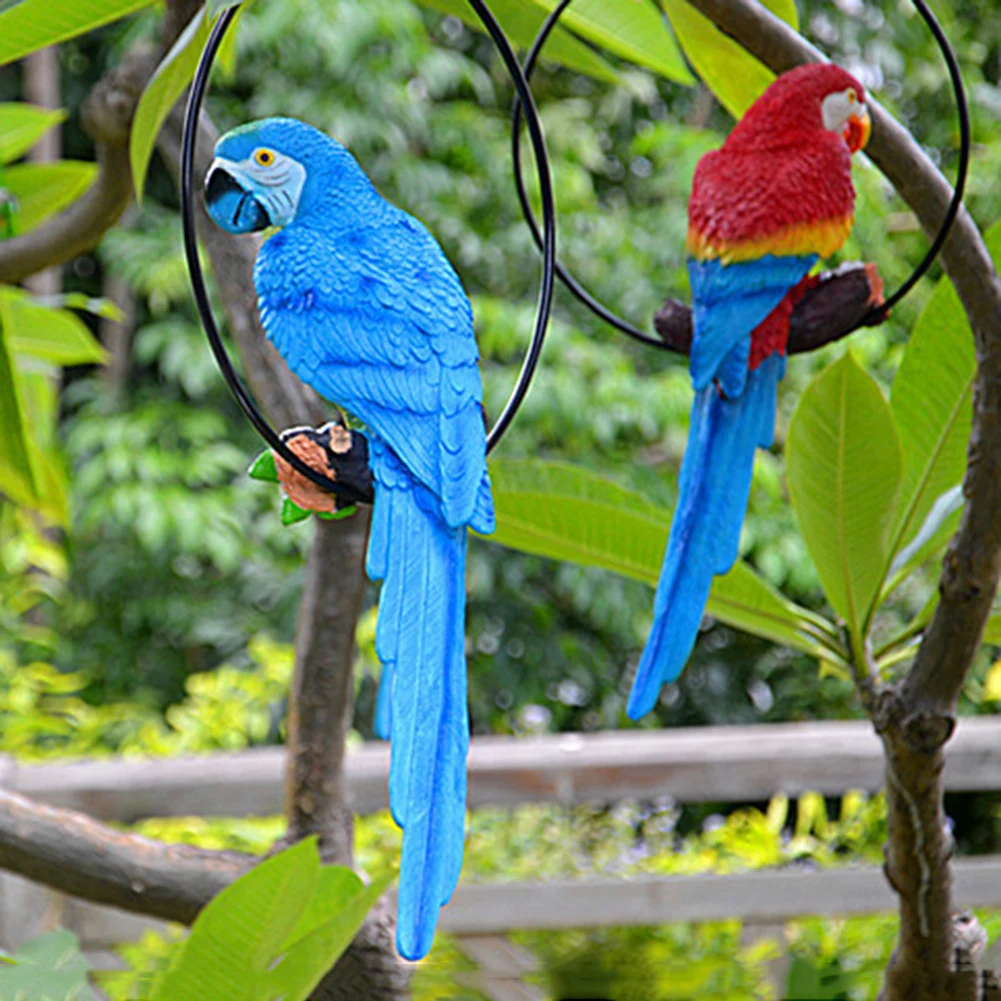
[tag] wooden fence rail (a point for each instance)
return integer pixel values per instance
(704, 764)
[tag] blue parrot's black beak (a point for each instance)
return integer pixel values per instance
(231, 205)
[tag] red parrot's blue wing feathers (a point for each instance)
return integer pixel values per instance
(728, 302)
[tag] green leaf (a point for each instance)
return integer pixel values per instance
(42, 189)
(17, 480)
(216, 7)
(746, 601)
(34, 24)
(932, 404)
(557, 510)
(992, 632)
(843, 465)
(48, 968)
(904, 642)
(343, 512)
(171, 77)
(225, 62)
(292, 513)
(274, 933)
(319, 939)
(108, 309)
(566, 513)
(21, 126)
(521, 20)
(53, 335)
(729, 71)
(264, 467)
(930, 536)
(632, 29)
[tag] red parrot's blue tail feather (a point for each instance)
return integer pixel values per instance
(712, 499)
(420, 638)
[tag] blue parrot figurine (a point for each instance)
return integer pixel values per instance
(361, 302)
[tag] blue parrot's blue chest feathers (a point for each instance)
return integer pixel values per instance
(369, 312)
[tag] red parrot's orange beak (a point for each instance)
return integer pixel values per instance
(857, 130)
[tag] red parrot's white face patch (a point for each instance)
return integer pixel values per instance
(845, 112)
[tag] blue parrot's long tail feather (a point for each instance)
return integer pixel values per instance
(420, 638)
(712, 499)
(382, 721)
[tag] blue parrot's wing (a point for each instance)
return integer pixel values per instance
(394, 346)
(728, 302)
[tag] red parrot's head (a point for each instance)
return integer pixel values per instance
(815, 96)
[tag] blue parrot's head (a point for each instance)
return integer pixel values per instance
(267, 173)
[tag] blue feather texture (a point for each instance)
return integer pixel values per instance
(361, 302)
(733, 414)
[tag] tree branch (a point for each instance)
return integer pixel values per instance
(916, 718)
(75, 854)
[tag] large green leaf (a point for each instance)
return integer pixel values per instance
(632, 29)
(168, 82)
(33, 24)
(729, 71)
(49, 968)
(561, 511)
(843, 465)
(273, 934)
(21, 126)
(17, 480)
(42, 189)
(566, 513)
(53, 335)
(521, 20)
(932, 404)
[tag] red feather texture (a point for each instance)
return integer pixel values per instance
(781, 183)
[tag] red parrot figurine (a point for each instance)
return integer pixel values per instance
(765, 207)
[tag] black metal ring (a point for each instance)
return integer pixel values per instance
(876, 313)
(548, 242)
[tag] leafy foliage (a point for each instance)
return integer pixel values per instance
(844, 478)
(34, 24)
(172, 76)
(49, 968)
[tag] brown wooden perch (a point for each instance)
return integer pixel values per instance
(826, 313)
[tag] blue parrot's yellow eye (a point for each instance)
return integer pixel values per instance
(264, 157)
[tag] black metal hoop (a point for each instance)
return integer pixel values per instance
(874, 314)
(548, 244)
